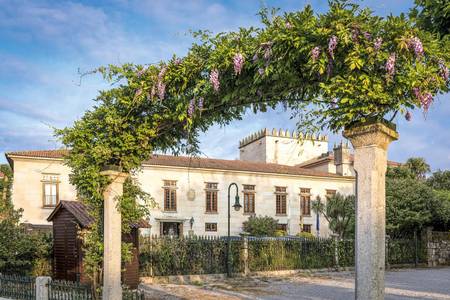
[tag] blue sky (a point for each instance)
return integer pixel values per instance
(44, 45)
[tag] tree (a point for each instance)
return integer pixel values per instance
(418, 167)
(433, 15)
(409, 204)
(333, 70)
(339, 211)
(440, 180)
(260, 226)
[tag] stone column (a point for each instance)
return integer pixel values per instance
(244, 253)
(42, 287)
(370, 142)
(112, 228)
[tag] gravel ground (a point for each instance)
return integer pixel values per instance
(400, 284)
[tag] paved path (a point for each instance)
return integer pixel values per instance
(400, 284)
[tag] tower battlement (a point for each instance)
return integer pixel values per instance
(282, 146)
(281, 133)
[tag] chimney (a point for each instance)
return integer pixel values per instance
(342, 159)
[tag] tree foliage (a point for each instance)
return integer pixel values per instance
(260, 226)
(418, 167)
(433, 15)
(440, 180)
(339, 211)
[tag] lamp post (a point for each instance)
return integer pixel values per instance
(237, 206)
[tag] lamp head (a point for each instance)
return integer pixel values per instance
(237, 206)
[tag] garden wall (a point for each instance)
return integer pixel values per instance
(438, 248)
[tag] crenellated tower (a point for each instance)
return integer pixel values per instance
(282, 147)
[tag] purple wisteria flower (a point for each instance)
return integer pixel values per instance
(330, 66)
(177, 61)
(261, 71)
(152, 92)
(200, 103)
(288, 25)
(332, 43)
(191, 108)
(138, 92)
(140, 72)
(214, 79)
(443, 70)
(267, 51)
(161, 86)
(315, 52)
(408, 116)
(238, 62)
(377, 44)
(415, 44)
(425, 99)
(367, 35)
(255, 58)
(390, 65)
(355, 35)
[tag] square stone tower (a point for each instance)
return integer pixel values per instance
(282, 147)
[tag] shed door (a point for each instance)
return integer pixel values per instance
(65, 248)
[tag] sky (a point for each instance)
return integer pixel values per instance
(46, 45)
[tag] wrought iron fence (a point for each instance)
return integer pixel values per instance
(69, 290)
(187, 255)
(17, 287)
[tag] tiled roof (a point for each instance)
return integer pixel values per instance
(40, 153)
(201, 163)
(325, 158)
(232, 165)
(79, 211)
(2, 175)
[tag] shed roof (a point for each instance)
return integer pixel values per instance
(79, 211)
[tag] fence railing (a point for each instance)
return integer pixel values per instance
(17, 287)
(68, 290)
(163, 256)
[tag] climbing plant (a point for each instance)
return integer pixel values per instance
(332, 70)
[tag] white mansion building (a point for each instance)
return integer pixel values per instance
(278, 175)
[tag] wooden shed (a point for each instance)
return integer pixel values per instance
(68, 218)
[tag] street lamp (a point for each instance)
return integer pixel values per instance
(237, 206)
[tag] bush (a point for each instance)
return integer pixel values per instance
(307, 235)
(260, 226)
(280, 232)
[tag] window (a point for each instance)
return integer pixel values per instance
(50, 188)
(282, 227)
(211, 197)
(170, 195)
(330, 193)
(210, 226)
(280, 195)
(305, 201)
(306, 228)
(249, 199)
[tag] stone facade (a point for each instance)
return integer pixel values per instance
(269, 160)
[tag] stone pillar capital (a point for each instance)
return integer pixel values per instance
(115, 176)
(375, 134)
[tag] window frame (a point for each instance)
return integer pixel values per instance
(170, 195)
(50, 179)
(307, 226)
(249, 191)
(305, 202)
(210, 227)
(211, 198)
(281, 200)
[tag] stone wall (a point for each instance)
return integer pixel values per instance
(438, 248)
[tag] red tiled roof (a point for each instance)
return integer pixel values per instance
(197, 162)
(232, 165)
(325, 158)
(40, 153)
(2, 175)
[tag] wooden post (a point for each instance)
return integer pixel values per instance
(370, 142)
(112, 255)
